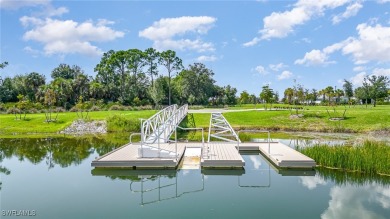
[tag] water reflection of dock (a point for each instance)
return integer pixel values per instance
(153, 186)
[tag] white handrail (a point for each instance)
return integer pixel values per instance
(161, 126)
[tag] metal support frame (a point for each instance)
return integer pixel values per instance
(221, 128)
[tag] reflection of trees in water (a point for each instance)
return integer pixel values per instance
(3, 170)
(351, 178)
(64, 151)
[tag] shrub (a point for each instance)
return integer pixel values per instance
(196, 107)
(73, 109)
(95, 108)
(38, 106)
(116, 107)
(33, 111)
(2, 107)
(119, 123)
(59, 110)
(13, 110)
(146, 107)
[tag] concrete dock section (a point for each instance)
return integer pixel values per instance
(127, 156)
(280, 154)
(222, 155)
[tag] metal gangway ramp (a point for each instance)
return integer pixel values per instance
(157, 130)
(220, 129)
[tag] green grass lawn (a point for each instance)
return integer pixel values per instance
(316, 118)
(35, 123)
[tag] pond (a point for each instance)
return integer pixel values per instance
(53, 178)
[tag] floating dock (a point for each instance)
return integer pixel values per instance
(220, 155)
(281, 155)
(156, 150)
(127, 157)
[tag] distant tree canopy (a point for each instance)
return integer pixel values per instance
(130, 77)
(150, 77)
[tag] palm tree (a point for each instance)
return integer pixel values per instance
(329, 92)
(338, 94)
(323, 93)
(288, 94)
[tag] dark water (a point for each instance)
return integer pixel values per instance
(52, 178)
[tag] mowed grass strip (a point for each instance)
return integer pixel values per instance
(35, 123)
(316, 118)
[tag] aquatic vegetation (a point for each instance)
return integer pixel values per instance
(371, 157)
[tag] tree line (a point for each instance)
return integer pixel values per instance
(127, 77)
(374, 88)
(136, 78)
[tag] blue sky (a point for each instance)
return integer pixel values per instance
(246, 43)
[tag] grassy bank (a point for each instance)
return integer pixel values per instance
(35, 123)
(315, 118)
(371, 157)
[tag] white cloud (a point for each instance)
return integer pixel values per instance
(164, 33)
(256, 162)
(277, 67)
(351, 10)
(281, 24)
(51, 11)
(383, 1)
(372, 44)
(16, 4)
(381, 72)
(357, 80)
(261, 70)
(311, 182)
(285, 75)
(358, 202)
(211, 58)
(314, 57)
(306, 40)
(68, 36)
(359, 68)
(32, 51)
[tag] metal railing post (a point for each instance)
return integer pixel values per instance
(211, 118)
(238, 142)
(142, 138)
(176, 145)
(269, 144)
